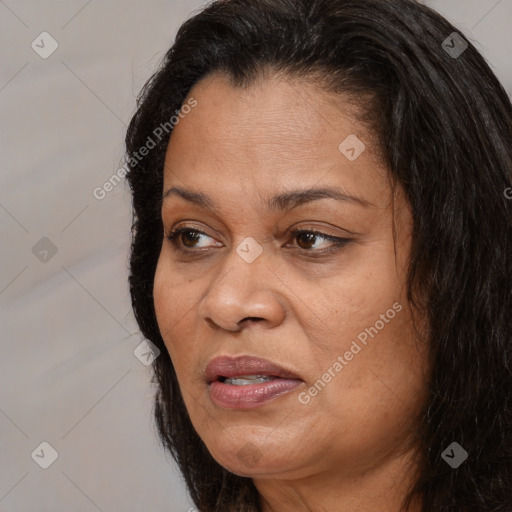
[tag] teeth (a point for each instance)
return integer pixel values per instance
(244, 380)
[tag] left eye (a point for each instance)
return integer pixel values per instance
(182, 234)
(185, 239)
(308, 237)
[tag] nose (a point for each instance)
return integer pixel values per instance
(244, 294)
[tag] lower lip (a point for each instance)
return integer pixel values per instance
(251, 395)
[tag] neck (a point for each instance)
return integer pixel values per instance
(378, 489)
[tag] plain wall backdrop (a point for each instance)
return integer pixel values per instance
(69, 376)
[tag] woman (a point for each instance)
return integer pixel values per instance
(322, 253)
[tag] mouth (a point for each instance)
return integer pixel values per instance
(246, 382)
(245, 370)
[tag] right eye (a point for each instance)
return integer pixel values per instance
(186, 237)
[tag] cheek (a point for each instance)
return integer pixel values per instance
(173, 299)
(163, 297)
(175, 291)
(359, 294)
(367, 305)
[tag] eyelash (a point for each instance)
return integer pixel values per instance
(338, 243)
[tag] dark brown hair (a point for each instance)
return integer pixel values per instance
(444, 128)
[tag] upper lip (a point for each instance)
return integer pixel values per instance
(230, 367)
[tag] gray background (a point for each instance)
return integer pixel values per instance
(68, 374)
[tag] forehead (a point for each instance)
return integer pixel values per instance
(273, 135)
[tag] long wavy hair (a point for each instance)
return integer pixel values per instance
(443, 124)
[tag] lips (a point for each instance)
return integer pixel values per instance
(246, 382)
(225, 367)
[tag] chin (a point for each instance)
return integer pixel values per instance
(247, 458)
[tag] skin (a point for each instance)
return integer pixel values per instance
(348, 448)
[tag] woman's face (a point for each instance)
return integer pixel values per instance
(238, 282)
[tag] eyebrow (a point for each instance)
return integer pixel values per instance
(280, 202)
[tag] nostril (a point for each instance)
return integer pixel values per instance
(251, 319)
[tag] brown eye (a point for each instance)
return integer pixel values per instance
(306, 240)
(189, 237)
(187, 240)
(186, 237)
